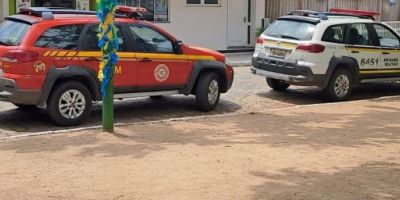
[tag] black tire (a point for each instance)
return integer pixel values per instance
(54, 110)
(340, 85)
(205, 88)
(25, 107)
(277, 85)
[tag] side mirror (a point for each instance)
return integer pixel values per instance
(178, 46)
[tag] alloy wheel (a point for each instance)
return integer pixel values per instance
(213, 92)
(72, 104)
(342, 85)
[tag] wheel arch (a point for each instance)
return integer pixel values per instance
(347, 63)
(57, 76)
(202, 67)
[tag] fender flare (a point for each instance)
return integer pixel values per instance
(346, 61)
(198, 68)
(55, 74)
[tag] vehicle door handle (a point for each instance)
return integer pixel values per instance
(91, 59)
(145, 60)
(355, 52)
(385, 53)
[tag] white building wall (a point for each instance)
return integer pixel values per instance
(200, 25)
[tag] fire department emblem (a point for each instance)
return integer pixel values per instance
(39, 66)
(161, 73)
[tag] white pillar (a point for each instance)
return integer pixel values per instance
(3, 9)
(258, 13)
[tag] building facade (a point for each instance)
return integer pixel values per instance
(217, 24)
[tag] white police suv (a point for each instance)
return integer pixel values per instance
(330, 50)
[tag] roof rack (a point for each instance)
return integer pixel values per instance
(324, 15)
(49, 12)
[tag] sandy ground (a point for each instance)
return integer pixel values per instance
(349, 151)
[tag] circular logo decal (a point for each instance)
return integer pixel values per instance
(161, 73)
(39, 66)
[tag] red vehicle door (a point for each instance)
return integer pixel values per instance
(125, 79)
(160, 67)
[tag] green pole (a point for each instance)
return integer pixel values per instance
(108, 108)
(108, 42)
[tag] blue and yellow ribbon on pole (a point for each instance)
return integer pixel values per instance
(108, 42)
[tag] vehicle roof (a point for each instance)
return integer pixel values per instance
(328, 20)
(337, 20)
(31, 19)
(347, 18)
(63, 19)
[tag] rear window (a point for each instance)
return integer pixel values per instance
(334, 34)
(11, 32)
(288, 29)
(60, 37)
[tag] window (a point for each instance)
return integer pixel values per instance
(284, 29)
(193, 1)
(60, 37)
(386, 37)
(148, 40)
(11, 33)
(157, 10)
(359, 35)
(203, 2)
(334, 34)
(91, 39)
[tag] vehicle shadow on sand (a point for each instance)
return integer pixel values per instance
(314, 95)
(126, 111)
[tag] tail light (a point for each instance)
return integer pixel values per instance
(19, 56)
(260, 40)
(311, 48)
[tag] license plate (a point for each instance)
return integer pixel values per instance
(278, 53)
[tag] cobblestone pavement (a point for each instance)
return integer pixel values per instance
(248, 94)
